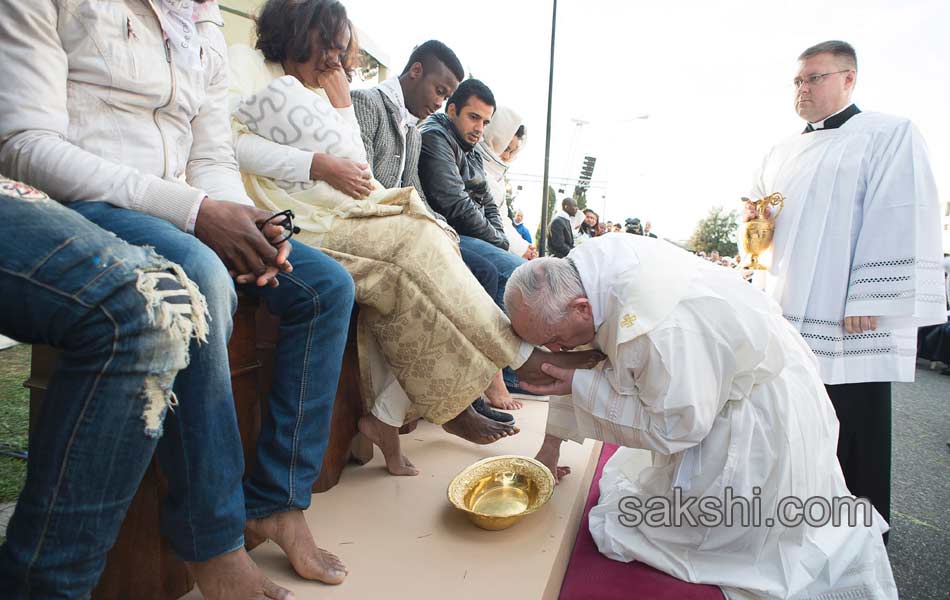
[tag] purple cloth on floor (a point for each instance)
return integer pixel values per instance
(592, 576)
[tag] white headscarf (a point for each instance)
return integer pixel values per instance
(179, 26)
(503, 126)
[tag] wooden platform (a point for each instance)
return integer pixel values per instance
(400, 537)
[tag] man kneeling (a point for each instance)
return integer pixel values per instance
(704, 371)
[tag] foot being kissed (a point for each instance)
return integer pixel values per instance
(531, 373)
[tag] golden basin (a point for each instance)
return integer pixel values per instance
(498, 492)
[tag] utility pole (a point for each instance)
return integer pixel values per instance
(547, 141)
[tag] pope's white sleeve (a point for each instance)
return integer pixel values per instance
(679, 389)
(562, 422)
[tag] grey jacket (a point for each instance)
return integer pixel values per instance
(379, 125)
(454, 178)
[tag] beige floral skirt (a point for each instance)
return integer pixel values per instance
(441, 334)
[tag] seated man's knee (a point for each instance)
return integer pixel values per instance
(174, 303)
(175, 313)
(340, 287)
(205, 269)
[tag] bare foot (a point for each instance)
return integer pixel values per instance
(498, 396)
(530, 371)
(234, 576)
(387, 438)
(471, 426)
(289, 530)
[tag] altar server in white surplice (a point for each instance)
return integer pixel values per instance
(703, 371)
(856, 257)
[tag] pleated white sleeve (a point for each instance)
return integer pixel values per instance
(896, 271)
(681, 379)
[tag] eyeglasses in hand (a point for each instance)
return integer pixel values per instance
(284, 219)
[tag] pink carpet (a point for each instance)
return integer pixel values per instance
(592, 576)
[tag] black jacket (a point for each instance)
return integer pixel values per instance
(454, 182)
(561, 237)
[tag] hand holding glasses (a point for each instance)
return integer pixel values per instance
(284, 220)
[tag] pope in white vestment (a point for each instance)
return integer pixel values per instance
(703, 371)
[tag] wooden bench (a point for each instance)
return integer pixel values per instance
(141, 564)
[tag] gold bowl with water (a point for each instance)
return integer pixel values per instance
(498, 492)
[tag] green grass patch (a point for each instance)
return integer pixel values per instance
(14, 418)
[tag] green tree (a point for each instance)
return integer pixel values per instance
(580, 196)
(717, 231)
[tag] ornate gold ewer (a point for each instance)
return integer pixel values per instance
(757, 236)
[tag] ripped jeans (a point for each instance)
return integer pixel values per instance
(205, 511)
(123, 318)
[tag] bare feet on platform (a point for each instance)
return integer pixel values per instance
(387, 438)
(530, 371)
(498, 396)
(471, 426)
(234, 576)
(289, 530)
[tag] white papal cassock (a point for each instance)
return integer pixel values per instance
(859, 236)
(704, 371)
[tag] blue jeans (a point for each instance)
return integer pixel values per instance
(505, 262)
(67, 283)
(206, 508)
(482, 269)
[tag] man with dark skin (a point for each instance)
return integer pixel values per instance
(388, 113)
(561, 236)
(170, 181)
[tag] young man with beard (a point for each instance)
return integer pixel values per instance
(454, 180)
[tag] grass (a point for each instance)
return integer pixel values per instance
(14, 418)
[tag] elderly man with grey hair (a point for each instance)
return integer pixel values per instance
(703, 371)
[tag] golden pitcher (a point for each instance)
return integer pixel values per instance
(757, 236)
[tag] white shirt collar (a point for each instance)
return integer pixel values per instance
(393, 90)
(821, 124)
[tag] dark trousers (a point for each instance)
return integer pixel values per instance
(864, 440)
